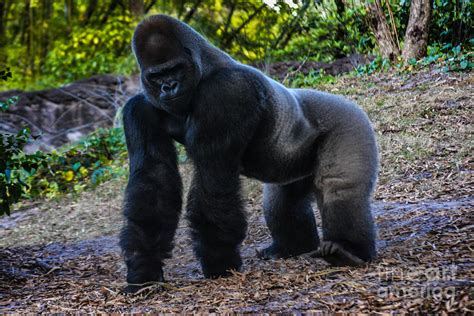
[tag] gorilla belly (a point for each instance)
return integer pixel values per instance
(278, 163)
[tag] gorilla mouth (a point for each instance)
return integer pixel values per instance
(172, 98)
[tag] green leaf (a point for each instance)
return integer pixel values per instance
(457, 49)
(8, 174)
(76, 166)
(412, 61)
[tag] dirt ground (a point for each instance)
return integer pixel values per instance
(62, 255)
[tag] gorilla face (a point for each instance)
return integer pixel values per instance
(169, 73)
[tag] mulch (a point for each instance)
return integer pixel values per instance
(425, 264)
(62, 255)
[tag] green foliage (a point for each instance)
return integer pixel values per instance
(376, 65)
(5, 74)
(452, 23)
(49, 43)
(4, 105)
(94, 159)
(12, 160)
(87, 163)
(54, 42)
(314, 78)
(452, 58)
(93, 50)
(446, 57)
(327, 35)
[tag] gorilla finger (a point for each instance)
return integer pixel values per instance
(136, 289)
(313, 254)
(338, 256)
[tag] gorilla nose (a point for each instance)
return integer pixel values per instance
(169, 88)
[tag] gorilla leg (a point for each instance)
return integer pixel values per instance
(348, 230)
(345, 179)
(290, 218)
(153, 194)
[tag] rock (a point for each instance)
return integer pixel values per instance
(280, 70)
(65, 114)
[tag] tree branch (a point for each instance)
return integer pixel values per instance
(235, 32)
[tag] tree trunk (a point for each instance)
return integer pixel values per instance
(3, 37)
(340, 7)
(137, 7)
(416, 36)
(89, 11)
(228, 40)
(149, 6)
(191, 12)
(287, 32)
(379, 25)
(113, 5)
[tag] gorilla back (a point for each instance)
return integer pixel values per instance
(233, 120)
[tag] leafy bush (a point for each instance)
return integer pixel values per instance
(452, 58)
(327, 34)
(451, 22)
(87, 163)
(93, 50)
(13, 160)
(376, 65)
(314, 77)
(446, 57)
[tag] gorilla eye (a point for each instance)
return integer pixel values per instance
(188, 51)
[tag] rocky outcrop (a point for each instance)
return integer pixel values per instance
(65, 114)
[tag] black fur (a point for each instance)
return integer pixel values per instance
(233, 120)
(153, 195)
(290, 218)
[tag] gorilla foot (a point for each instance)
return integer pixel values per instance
(275, 252)
(271, 252)
(219, 266)
(336, 255)
(138, 279)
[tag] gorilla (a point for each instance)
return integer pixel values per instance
(233, 120)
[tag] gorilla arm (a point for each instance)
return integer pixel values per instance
(219, 130)
(153, 194)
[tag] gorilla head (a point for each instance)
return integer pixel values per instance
(170, 71)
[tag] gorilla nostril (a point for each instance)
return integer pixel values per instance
(174, 85)
(165, 88)
(169, 87)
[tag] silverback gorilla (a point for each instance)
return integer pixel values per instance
(234, 120)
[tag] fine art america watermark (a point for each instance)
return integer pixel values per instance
(418, 282)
